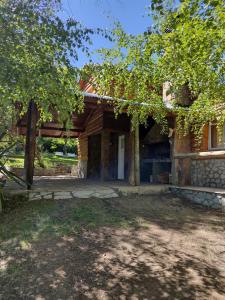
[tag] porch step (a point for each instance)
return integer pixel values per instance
(210, 197)
(55, 191)
(99, 191)
(143, 189)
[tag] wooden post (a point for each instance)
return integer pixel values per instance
(105, 144)
(134, 177)
(137, 155)
(0, 203)
(32, 116)
(181, 169)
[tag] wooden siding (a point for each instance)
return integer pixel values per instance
(95, 123)
(204, 142)
(187, 143)
(83, 148)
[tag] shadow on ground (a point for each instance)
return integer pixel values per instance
(154, 247)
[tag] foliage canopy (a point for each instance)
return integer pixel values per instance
(186, 47)
(38, 52)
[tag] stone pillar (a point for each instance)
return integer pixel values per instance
(105, 157)
(82, 157)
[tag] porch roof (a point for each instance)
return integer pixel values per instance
(55, 129)
(92, 101)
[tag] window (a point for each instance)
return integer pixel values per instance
(216, 140)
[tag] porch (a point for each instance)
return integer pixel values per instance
(109, 148)
(71, 187)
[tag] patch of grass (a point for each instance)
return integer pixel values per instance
(49, 160)
(27, 222)
(15, 161)
(57, 218)
(98, 213)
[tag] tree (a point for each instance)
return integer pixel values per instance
(37, 55)
(185, 46)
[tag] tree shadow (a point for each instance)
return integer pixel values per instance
(130, 251)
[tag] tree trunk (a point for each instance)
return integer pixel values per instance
(32, 117)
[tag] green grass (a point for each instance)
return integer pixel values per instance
(97, 215)
(50, 161)
(15, 161)
(57, 218)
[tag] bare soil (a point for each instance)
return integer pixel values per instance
(149, 247)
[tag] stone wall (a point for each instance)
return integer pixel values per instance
(208, 172)
(208, 198)
(58, 170)
(82, 169)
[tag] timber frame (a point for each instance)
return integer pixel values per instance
(98, 118)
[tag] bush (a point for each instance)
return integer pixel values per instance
(52, 145)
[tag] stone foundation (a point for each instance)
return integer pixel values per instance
(206, 197)
(58, 170)
(82, 169)
(208, 173)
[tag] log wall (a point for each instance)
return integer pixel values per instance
(94, 125)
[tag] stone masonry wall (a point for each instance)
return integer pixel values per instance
(58, 170)
(210, 199)
(208, 173)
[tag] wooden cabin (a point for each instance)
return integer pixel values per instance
(109, 150)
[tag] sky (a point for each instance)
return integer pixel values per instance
(132, 14)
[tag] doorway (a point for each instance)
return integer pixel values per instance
(94, 157)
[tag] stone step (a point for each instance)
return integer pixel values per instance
(64, 195)
(88, 191)
(98, 192)
(210, 197)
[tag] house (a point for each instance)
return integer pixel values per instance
(110, 150)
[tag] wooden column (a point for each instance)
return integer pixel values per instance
(181, 172)
(105, 155)
(134, 177)
(173, 168)
(32, 116)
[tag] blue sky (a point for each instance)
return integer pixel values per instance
(132, 14)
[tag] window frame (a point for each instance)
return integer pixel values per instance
(210, 138)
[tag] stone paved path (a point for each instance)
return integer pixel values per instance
(91, 192)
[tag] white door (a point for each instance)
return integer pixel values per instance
(121, 156)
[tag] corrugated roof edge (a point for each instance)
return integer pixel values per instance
(168, 104)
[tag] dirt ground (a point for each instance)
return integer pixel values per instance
(150, 247)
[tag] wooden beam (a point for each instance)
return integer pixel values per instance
(50, 133)
(51, 128)
(32, 117)
(89, 117)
